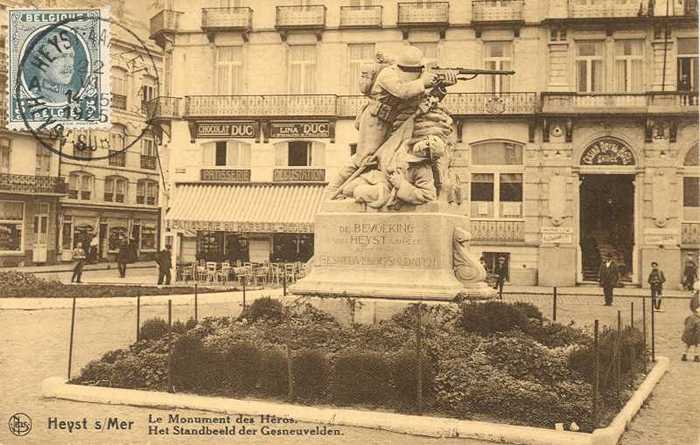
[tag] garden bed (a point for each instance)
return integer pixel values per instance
(485, 361)
(28, 285)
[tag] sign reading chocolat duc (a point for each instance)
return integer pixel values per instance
(607, 152)
(242, 129)
(212, 174)
(319, 129)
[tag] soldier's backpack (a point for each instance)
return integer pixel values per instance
(369, 73)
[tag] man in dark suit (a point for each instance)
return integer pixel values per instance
(164, 265)
(608, 275)
(501, 272)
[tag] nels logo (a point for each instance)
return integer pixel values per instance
(20, 424)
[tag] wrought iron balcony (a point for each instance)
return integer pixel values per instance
(606, 8)
(259, 105)
(148, 162)
(163, 108)
(594, 103)
(349, 106)
(423, 14)
(33, 184)
(301, 17)
(497, 230)
(492, 103)
(497, 11)
(360, 16)
(164, 23)
(227, 19)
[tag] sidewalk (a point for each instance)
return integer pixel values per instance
(68, 267)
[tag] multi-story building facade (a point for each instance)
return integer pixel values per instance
(589, 149)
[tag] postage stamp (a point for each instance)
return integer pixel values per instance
(59, 68)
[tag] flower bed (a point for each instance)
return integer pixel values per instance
(27, 285)
(512, 366)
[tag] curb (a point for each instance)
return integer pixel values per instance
(56, 387)
(69, 268)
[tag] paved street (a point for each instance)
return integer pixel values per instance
(28, 355)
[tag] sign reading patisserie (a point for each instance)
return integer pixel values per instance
(225, 175)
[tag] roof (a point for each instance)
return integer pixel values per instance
(251, 207)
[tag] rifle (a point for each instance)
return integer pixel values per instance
(472, 72)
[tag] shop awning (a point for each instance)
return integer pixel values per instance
(251, 208)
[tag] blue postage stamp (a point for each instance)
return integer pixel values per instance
(58, 68)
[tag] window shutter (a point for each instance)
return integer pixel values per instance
(318, 155)
(232, 153)
(208, 153)
(281, 154)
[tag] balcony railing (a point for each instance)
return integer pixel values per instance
(652, 102)
(32, 184)
(690, 233)
(673, 101)
(492, 103)
(498, 230)
(311, 16)
(606, 8)
(349, 106)
(227, 19)
(165, 22)
(360, 16)
(119, 101)
(272, 105)
(148, 162)
(163, 108)
(497, 11)
(424, 13)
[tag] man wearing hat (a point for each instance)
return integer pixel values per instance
(393, 85)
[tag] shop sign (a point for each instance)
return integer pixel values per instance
(557, 235)
(291, 130)
(236, 129)
(607, 152)
(225, 175)
(658, 237)
(241, 227)
(299, 175)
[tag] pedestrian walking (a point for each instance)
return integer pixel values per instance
(691, 326)
(123, 257)
(92, 257)
(79, 256)
(656, 281)
(690, 272)
(164, 261)
(608, 276)
(501, 272)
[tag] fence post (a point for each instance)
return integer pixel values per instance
(170, 345)
(196, 314)
(653, 332)
(596, 365)
(618, 358)
(290, 373)
(419, 361)
(243, 282)
(632, 314)
(554, 305)
(138, 315)
(70, 342)
(284, 284)
(644, 331)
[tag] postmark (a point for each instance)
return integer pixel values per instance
(59, 65)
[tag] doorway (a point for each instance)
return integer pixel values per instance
(606, 223)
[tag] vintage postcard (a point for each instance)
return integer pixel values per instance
(457, 222)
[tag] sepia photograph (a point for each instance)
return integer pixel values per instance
(363, 222)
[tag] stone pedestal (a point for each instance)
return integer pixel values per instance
(360, 252)
(556, 266)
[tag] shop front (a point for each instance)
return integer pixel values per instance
(78, 226)
(239, 223)
(27, 229)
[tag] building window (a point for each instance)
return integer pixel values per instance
(148, 91)
(589, 67)
(117, 142)
(83, 148)
(302, 69)
(43, 161)
(358, 56)
(11, 218)
(300, 154)
(118, 233)
(497, 181)
(629, 60)
(498, 56)
(67, 233)
(147, 192)
(115, 189)
(149, 155)
(687, 64)
(223, 153)
(80, 186)
(5, 149)
(430, 52)
(691, 186)
(119, 88)
(229, 69)
(148, 237)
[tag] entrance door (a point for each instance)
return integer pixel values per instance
(607, 223)
(41, 232)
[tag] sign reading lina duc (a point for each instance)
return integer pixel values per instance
(315, 129)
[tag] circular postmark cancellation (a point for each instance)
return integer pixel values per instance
(20, 424)
(61, 89)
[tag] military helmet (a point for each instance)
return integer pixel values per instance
(411, 58)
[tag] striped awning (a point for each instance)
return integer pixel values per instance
(245, 208)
